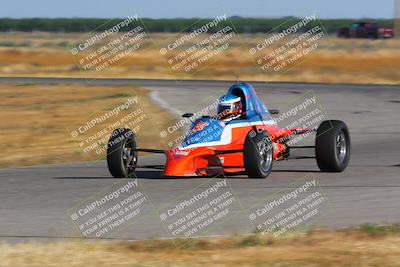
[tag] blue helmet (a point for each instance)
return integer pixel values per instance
(229, 107)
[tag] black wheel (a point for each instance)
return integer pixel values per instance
(332, 146)
(122, 153)
(258, 154)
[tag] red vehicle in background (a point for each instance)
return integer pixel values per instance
(366, 30)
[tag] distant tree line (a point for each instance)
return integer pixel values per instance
(242, 25)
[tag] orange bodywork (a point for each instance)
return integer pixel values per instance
(212, 160)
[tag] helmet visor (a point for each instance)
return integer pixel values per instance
(224, 109)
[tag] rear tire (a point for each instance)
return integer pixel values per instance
(332, 146)
(121, 153)
(258, 154)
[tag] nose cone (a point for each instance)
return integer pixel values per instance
(179, 164)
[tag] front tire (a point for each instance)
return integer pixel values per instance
(332, 146)
(258, 154)
(122, 153)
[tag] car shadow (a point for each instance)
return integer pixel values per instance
(139, 174)
(301, 171)
(157, 174)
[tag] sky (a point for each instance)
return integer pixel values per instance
(197, 8)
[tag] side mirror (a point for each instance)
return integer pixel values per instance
(273, 111)
(187, 115)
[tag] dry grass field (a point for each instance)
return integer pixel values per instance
(372, 246)
(334, 61)
(36, 120)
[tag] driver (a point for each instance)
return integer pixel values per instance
(229, 108)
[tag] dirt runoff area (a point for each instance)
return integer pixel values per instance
(43, 124)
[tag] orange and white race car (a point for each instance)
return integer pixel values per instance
(242, 138)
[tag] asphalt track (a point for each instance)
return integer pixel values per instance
(34, 200)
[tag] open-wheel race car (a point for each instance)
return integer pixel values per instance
(242, 138)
